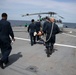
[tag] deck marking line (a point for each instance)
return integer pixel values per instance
(65, 45)
(22, 39)
(55, 43)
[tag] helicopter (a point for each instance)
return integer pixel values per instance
(50, 14)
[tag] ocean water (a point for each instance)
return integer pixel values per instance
(69, 25)
(23, 23)
(19, 22)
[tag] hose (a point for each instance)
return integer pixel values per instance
(50, 33)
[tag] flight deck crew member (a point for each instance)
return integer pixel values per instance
(31, 30)
(38, 26)
(5, 41)
(45, 24)
(47, 29)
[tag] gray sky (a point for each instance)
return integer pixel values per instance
(15, 8)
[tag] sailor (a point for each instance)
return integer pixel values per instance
(51, 29)
(38, 26)
(45, 24)
(31, 30)
(5, 41)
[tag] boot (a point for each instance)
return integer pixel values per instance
(1, 64)
(6, 62)
(48, 54)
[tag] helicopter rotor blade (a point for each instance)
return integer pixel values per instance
(51, 13)
(61, 17)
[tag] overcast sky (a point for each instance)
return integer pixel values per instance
(15, 8)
